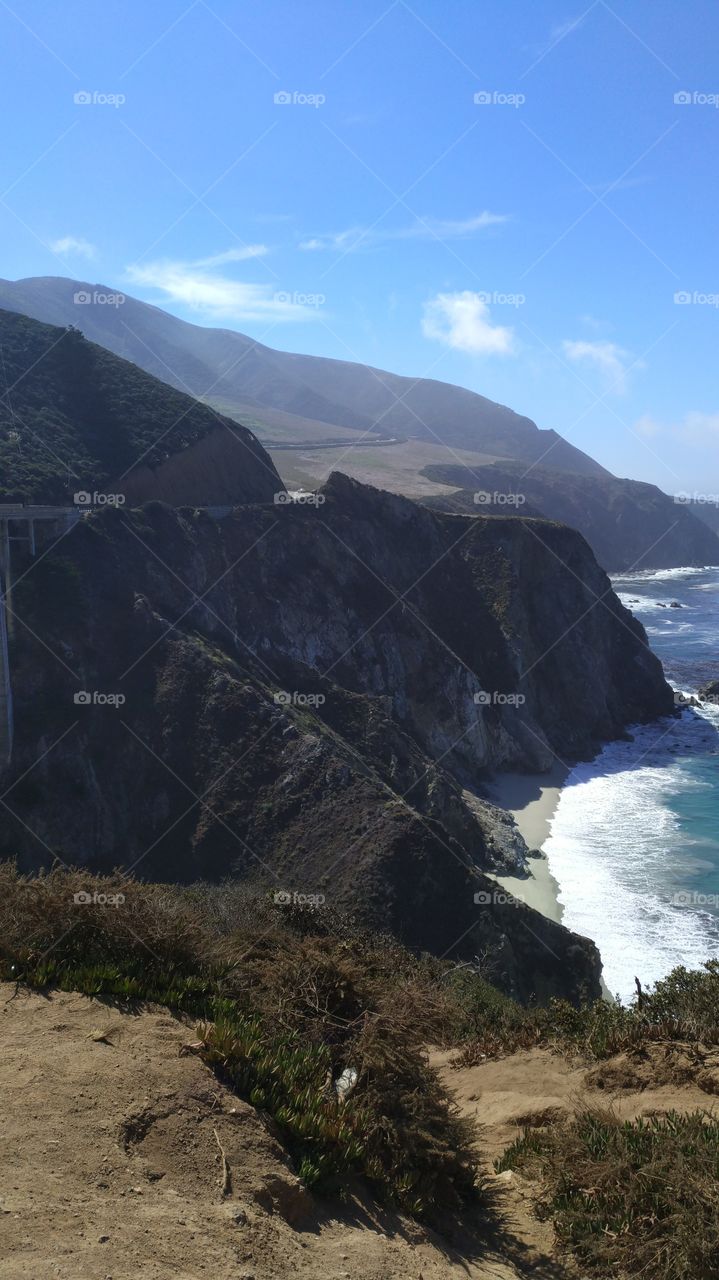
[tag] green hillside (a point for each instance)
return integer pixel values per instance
(75, 417)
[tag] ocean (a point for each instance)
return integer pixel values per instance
(634, 842)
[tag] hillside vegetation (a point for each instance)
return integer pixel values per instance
(74, 417)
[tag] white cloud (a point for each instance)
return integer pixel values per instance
(462, 321)
(421, 229)
(694, 430)
(233, 255)
(593, 324)
(647, 427)
(624, 184)
(69, 245)
(701, 428)
(216, 296)
(610, 359)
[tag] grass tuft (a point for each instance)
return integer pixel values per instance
(634, 1198)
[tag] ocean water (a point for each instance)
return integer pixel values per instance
(634, 843)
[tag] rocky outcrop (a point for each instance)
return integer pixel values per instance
(312, 694)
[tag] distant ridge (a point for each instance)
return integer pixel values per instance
(246, 378)
(628, 524)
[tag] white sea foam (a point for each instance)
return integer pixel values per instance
(662, 575)
(619, 855)
(639, 825)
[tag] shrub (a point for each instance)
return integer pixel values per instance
(286, 1007)
(638, 1198)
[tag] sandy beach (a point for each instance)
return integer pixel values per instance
(532, 800)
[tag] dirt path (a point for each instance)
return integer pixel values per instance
(538, 1087)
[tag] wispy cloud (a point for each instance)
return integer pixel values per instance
(558, 32)
(232, 255)
(695, 430)
(462, 321)
(421, 229)
(611, 360)
(624, 184)
(214, 295)
(73, 246)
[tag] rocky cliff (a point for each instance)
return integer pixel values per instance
(313, 694)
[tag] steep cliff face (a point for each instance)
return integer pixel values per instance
(310, 691)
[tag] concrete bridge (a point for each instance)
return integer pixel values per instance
(17, 524)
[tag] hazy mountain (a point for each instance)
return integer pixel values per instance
(707, 512)
(245, 377)
(75, 417)
(628, 524)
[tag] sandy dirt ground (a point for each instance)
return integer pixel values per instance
(112, 1168)
(123, 1158)
(396, 467)
(532, 800)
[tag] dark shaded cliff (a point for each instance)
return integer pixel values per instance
(628, 524)
(313, 695)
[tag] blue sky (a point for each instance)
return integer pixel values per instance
(528, 244)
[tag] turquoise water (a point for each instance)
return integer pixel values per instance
(634, 843)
